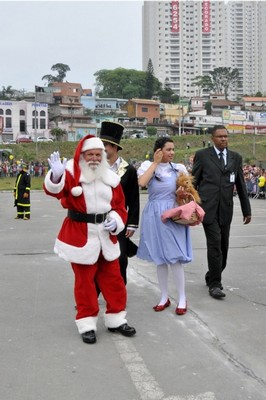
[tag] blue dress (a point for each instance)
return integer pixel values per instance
(163, 243)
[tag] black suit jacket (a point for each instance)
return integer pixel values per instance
(214, 185)
(129, 182)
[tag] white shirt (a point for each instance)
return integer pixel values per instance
(224, 153)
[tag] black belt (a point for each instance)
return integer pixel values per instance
(89, 218)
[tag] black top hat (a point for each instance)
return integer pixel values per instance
(111, 132)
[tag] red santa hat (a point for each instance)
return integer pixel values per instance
(89, 142)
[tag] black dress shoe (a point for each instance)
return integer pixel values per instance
(220, 285)
(89, 337)
(124, 329)
(208, 283)
(216, 292)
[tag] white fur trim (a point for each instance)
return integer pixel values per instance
(92, 143)
(86, 324)
(115, 320)
(98, 239)
(76, 191)
(111, 178)
(54, 187)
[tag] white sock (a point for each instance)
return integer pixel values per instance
(179, 279)
(162, 274)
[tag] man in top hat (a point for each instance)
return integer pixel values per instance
(94, 198)
(22, 192)
(111, 134)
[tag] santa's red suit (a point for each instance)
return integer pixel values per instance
(92, 251)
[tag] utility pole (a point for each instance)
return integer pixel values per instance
(35, 121)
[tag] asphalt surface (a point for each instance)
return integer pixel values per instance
(214, 352)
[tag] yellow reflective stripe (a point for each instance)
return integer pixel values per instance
(23, 205)
(16, 187)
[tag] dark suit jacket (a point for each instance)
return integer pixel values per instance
(129, 182)
(214, 186)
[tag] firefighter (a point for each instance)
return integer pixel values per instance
(22, 193)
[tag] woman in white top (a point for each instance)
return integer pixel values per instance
(164, 243)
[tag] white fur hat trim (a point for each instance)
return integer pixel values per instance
(92, 143)
(76, 191)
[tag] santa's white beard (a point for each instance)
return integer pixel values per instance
(89, 173)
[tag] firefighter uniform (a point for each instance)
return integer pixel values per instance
(22, 193)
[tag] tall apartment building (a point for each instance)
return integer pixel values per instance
(187, 38)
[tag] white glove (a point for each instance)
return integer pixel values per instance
(56, 165)
(110, 224)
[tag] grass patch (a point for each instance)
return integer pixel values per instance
(251, 147)
(8, 183)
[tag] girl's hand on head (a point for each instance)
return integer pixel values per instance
(158, 155)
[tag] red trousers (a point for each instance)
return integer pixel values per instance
(107, 276)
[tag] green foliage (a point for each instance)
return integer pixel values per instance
(58, 133)
(6, 93)
(150, 81)
(208, 107)
(220, 80)
(151, 130)
(122, 83)
(61, 73)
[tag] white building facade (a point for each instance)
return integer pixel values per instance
(23, 118)
(186, 39)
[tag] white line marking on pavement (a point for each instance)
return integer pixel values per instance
(147, 387)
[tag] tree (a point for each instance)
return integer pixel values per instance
(167, 95)
(61, 73)
(122, 83)
(7, 92)
(220, 80)
(208, 107)
(58, 133)
(150, 83)
(151, 130)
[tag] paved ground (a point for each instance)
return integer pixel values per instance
(215, 352)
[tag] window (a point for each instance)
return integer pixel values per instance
(1, 111)
(144, 109)
(42, 123)
(33, 113)
(8, 122)
(21, 112)
(33, 123)
(42, 113)
(8, 112)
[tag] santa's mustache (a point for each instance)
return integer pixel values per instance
(93, 164)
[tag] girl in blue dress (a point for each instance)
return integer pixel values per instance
(165, 244)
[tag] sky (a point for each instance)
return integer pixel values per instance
(86, 35)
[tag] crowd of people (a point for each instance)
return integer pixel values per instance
(11, 168)
(255, 178)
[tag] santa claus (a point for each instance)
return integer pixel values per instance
(94, 198)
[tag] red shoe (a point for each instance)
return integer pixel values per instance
(181, 311)
(162, 307)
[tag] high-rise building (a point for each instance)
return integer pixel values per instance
(186, 38)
